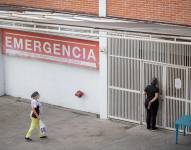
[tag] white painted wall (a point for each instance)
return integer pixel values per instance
(1, 72)
(102, 8)
(103, 92)
(1, 76)
(57, 83)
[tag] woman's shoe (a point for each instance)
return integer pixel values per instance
(154, 128)
(148, 128)
(43, 137)
(28, 139)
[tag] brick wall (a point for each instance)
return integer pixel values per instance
(81, 6)
(169, 11)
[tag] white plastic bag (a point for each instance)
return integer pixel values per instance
(43, 128)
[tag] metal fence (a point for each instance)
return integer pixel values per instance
(133, 62)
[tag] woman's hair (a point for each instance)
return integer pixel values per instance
(154, 81)
(34, 94)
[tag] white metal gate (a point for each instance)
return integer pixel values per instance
(175, 102)
(132, 65)
(154, 70)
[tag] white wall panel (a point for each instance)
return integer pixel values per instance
(57, 83)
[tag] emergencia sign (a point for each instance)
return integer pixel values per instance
(51, 48)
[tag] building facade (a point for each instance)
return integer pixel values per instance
(168, 11)
(108, 49)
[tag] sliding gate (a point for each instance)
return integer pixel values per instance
(132, 65)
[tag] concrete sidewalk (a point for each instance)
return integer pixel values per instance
(73, 130)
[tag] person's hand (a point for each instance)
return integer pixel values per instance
(38, 117)
(149, 105)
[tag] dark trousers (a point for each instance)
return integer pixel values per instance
(151, 116)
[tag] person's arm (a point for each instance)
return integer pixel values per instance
(34, 111)
(145, 91)
(154, 99)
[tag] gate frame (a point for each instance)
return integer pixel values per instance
(142, 62)
(164, 97)
(164, 87)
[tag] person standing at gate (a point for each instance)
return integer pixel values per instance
(35, 116)
(152, 103)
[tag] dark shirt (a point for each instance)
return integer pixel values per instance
(151, 90)
(37, 111)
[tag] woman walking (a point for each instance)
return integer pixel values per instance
(35, 116)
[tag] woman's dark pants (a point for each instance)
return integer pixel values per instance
(151, 116)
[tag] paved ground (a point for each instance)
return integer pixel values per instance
(72, 130)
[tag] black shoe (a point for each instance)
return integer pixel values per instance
(154, 128)
(43, 137)
(148, 128)
(28, 139)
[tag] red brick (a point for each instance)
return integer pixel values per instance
(78, 6)
(168, 11)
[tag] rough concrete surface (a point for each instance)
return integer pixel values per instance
(74, 130)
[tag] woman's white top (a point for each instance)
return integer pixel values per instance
(34, 104)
